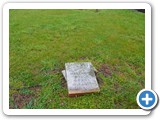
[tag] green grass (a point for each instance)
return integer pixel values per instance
(42, 41)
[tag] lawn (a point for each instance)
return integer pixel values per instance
(42, 41)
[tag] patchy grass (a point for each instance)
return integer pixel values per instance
(42, 41)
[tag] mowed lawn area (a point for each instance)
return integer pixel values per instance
(42, 41)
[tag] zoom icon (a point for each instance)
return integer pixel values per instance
(147, 99)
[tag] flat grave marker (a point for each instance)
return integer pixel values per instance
(80, 78)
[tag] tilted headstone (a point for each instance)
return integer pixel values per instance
(80, 78)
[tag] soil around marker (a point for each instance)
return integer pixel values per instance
(105, 70)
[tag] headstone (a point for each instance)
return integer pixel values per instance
(64, 74)
(80, 78)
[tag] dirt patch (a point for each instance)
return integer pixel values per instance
(21, 100)
(105, 70)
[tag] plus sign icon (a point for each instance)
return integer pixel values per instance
(147, 99)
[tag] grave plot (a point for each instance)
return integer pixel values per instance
(80, 78)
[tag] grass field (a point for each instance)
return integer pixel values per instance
(42, 41)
